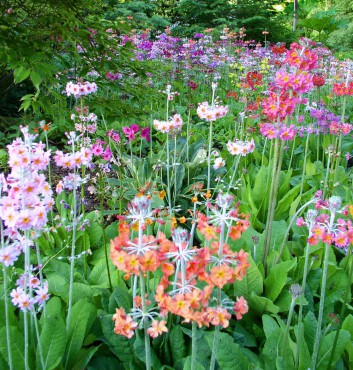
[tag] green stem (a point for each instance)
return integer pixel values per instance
(7, 323)
(263, 152)
(289, 320)
(289, 227)
(144, 307)
(276, 170)
(327, 173)
(343, 309)
(214, 348)
(234, 171)
(304, 165)
(300, 316)
(105, 245)
(209, 158)
(39, 345)
(321, 308)
(168, 179)
(193, 346)
(187, 144)
(72, 258)
(8, 337)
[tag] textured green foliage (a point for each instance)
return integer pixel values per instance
(53, 342)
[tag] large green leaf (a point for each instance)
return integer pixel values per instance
(285, 203)
(120, 298)
(84, 357)
(348, 325)
(251, 283)
(20, 74)
(269, 325)
(259, 305)
(52, 308)
(95, 233)
(277, 278)
(177, 343)
(17, 347)
(326, 348)
(99, 273)
(53, 341)
(310, 324)
(82, 316)
(120, 346)
(229, 355)
(277, 353)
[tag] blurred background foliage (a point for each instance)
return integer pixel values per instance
(44, 43)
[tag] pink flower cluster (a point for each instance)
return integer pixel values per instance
(85, 123)
(211, 113)
(173, 125)
(99, 148)
(302, 58)
(272, 131)
(279, 106)
(114, 135)
(29, 292)
(299, 82)
(342, 89)
(80, 89)
(70, 161)
(131, 131)
(28, 195)
(114, 76)
(239, 147)
(337, 128)
(325, 226)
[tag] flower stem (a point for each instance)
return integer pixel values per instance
(168, 179)
(72, 258)
(289, 320)
(304, 165)
(300, 316)
(214, 348)
(8, 337)
(38, 339)
(321, 308)
(144, 307)
(209, 158)
(346, 300)
(289, 227)
(276, 171)
(105, 245)
(193, 346)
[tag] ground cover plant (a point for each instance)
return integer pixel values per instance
(210, 228)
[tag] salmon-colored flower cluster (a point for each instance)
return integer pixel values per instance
(343, 89)
(124, 324)
(184, 267)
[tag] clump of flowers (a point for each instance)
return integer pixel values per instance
(211, 113)
(325, 226)
(25, 200)
(239, 147)
(173, 125)
(182, 265)
(80, 89)
(301, 57)
(273, 131)
(131, 131)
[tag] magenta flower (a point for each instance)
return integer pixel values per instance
(146, 133)
(134, 128)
